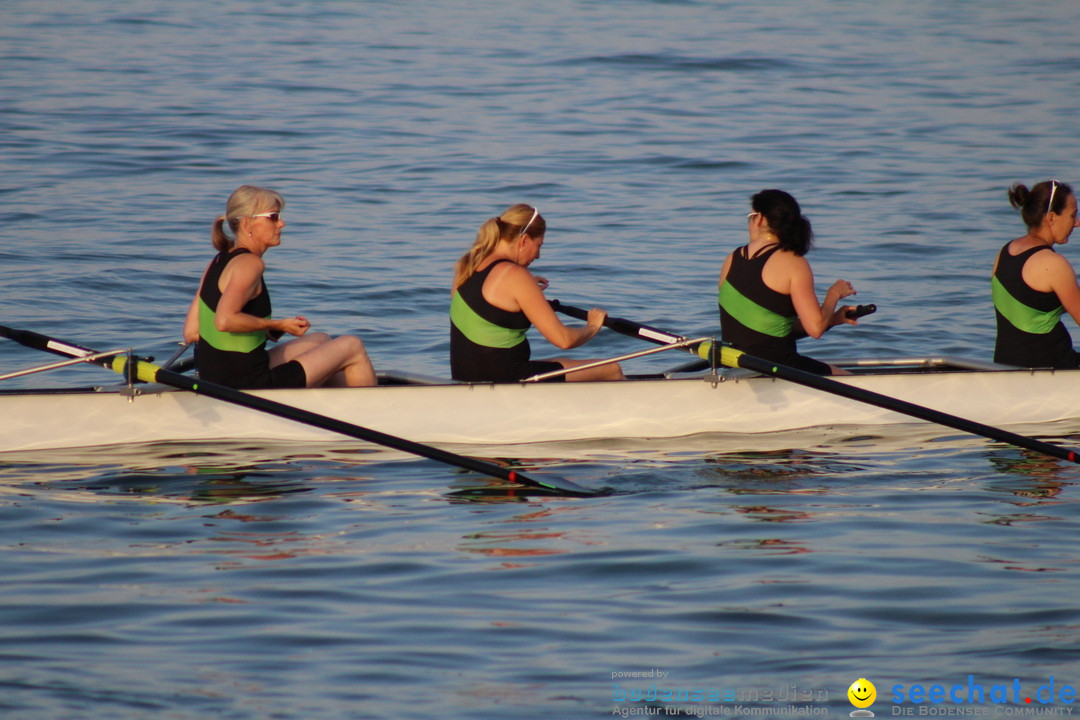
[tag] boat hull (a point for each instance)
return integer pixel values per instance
(485, 414)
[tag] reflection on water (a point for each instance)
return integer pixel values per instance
(768, 546)
(776, 471)
(1037, 486)
(1036, 468)
(194, 484)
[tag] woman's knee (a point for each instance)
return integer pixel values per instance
(614, 372)
(610, 371)
(354, 346)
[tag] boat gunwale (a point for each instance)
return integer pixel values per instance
(905, 365)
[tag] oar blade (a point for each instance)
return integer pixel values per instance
(557, 484)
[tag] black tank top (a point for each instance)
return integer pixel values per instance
(1029, 330)
(238, 360)
(487, 343)
(757, 319)
(753, 316)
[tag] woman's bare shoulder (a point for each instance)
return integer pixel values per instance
(788, 260)
(510, 272)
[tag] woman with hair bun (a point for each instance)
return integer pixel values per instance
(495, 299)
(767, 299)
(230, 315)
(1032, 288)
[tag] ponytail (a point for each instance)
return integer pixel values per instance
(781, 211)
(220, 240)
(487, 238)
(512, 224)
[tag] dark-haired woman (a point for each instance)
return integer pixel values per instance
(767, 298)
(1033, 286)
(495, 299)
(230, 315)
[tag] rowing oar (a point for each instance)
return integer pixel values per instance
(731, 357)
(662, 337)
(148, 372)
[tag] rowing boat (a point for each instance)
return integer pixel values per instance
(441, 412)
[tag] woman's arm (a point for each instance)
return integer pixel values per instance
(243, 281)
(520, 285)
(1062, 280)
(725, 268)
(191, 322)
(816, 319)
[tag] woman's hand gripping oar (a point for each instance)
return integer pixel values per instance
(148, 372)
(731, 357)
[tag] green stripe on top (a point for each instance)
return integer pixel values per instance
(233, 342)
(480, 331)
(1021, 316)
(753, 315)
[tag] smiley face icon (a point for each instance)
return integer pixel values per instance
(862, 693)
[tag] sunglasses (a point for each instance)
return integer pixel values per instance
(752, 214)
(1053, 191)
(272, 216)
(536, 212)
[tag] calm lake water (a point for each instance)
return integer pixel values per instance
(257, 582)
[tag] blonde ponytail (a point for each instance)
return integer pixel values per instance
(487, 238)
(507, 227)
(221, 241)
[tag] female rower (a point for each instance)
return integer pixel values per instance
(767, 298)
(495, 299)
(230, 319)
(1032, 288)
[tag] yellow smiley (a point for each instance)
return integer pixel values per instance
(862, 693)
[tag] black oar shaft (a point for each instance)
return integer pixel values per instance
(619, 325)
(149, 372)
(655, 335)
(736, 358)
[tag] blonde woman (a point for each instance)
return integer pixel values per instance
(230, 315)
(495, 299)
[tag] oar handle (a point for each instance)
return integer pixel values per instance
(861, 311)
(622, 326)
(663, 337)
